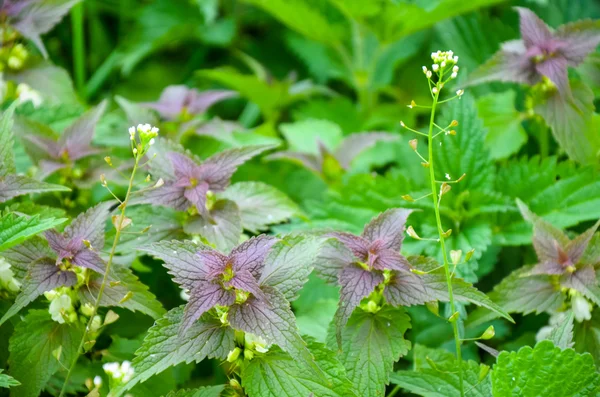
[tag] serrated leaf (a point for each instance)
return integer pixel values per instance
(7, 158)
(7, 380)
(372, 343)
(16, 229)
(31, 347)
(443, 380)
(303, 136)
(260, 205)
(42, 276)
(505, 135)
(277, 374)
(164, 346)
(289, 263)
(18, 185)
(123, 289)
(206, 391)
(562, 334)
(544, 370)
(223, 230)
(23, 255)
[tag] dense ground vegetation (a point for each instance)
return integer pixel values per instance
(293, 198)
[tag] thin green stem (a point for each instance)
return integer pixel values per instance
(119, 228)
(78, 47)
(442, 240)
(394, 391)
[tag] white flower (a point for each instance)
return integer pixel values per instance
(555, 319)
(97, 381)
(255, 342)
(453, 75)
(460, 92)
(59, 306)
(7, 279)
(434, 90)
(455, 69)
(435, 67)
(429, 74)
(447, 176)
(152, 141)
(121, 373)
(402, 123)
(185, 295)
(582, 309)
(443, 64)
(28, 94)
(425, 69)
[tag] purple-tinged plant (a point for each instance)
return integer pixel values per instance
(11, 184)
(75, 249)
(189, 183)
(361, 263)
(541, 52)
(75, 143)
(330, 164)
(32, 18)
(179, 100)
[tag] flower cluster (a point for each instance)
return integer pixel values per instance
(248, 345)
(142, 138)
(442, 62)
(120, 373)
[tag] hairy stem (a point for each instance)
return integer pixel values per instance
(119, 228)
(78, 47)
(434, 195)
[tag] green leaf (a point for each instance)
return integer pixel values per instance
(223, 231)
(436, 375)
(16, 229)
(289, 263)
(519, 293)
(7, 380)
(123, 289)
(505, 134)
(164, 347)
(260, 205)
(207, 391)
(372, 343)
(562, 334)
(39, 348)
(18, 185)
(277, 374)
(7, 158)
(53, 82)
(544, 370)
(303, 136)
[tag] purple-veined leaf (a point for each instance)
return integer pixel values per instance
(196, 195)
(509, 65)
(214, 262)
(332, 258)
(357, 283)
(77, 138)
(43, 276)
(251, 254)
(245, 281)
(534, 31)
(556, 70)
(388, 259)
(203, 297)
(359, 246)
(581, 38)
(164, 346)
(123, 289)
(90, 225)
(168, 195)
(579, 244)
(218, 169)
(23, 255)
(273, 321)
(585, 281)
(37, 17)
(355, 144)
(89, 259)
(388, 227)
(311, 161)
(289, 263)
(181, 260)
(223, 228)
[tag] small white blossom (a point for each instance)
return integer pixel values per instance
(443, 64)
(460, 92)
(425, 69)
(434, 90)
(435, 67)
(402, 123)
(59, 307)
(582, 309)
(97, 381)
(121, 373)
(429, 74)
(447, 176)
(28, 94)
(135, 150)
(455, 69)
(152, 141)
(132, 133)
(453, 75)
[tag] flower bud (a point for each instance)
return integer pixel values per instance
(488, 333)
(234, 354)
(455, 256)
(411, 232)
(413, 144)
(408, 197)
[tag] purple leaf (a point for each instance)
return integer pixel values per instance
(218, 169)
(203, 297)
(388, 227)
(181, 260)
(43, 276)
(580, 38)
(17, 185)
(308, 160)
(90, 260)
(357, 245)
(579, 244)
(214, 262)
(36, 17)
(509, 64)
(183, 166)
(23, 255)
(90, 225)
(556, 70)
(333, 257)
(76, 140)
(388, 259)
(47, 145)
(196, 195)
(533, 30)
(245, 281)
(406, 289)
(176, 99)
(355, 144)
(168, 195)
(357, 284)
(251, 254)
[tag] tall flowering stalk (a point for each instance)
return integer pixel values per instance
(141, 138)
(443, 69)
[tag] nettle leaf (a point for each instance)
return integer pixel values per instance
(23, 255)
(43, 275)
(522, 293)
(18, 185)
(289, 263)
(16, 229)
(545, 370)
(443, 379)
(260, 205)
(223, 229)
(277, 374)
(274, 321)
(505, 134)
(562, 334)
(7, 158)
(7, 380)
(39, 348)
(303, 136)
(123, 289)
(372, 343)
(465, 152)
(206, 391)
(164, 346)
